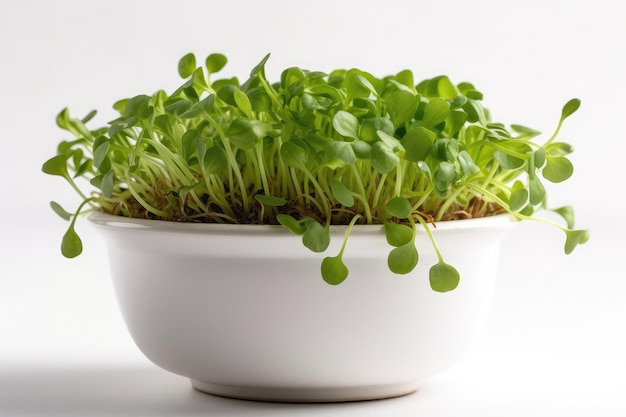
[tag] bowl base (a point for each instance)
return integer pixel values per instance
(306, 395)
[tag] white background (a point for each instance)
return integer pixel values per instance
(555, 340)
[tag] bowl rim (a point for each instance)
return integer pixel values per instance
(111, 221)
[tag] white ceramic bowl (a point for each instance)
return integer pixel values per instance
(243, 312)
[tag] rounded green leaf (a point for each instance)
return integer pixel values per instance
(243, 102)
(57, 165)
(537, 192)
(402, 106)
(372, 125)
(403, 259)
(215, 160)
(398, 234)
(316, 237)
(443, 277)
(507, 161)
(346, 124)
(467, 164)
(417, 144)
(215, 62)
(436, 112)
(293, 154)
(71, 245)
(187, 65)
(558, 169)
(334, 271)
(295, 226)
(384, 160)
(569, 108)
(362, 149)
(244, 133)
(539, 157)
(518, 199)
(341, 193)
(342, 151)
(399, 207)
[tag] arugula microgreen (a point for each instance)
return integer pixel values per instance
(310, 151)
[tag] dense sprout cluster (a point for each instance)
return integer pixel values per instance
(312, 150)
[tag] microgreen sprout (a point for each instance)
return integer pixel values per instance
(312, 150)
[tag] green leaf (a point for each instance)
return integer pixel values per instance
(536, 190)
(342, 151)
(341, 193)
(444, 176)
(178, 106)
(436, 112)
(89, 116)
(215, 160)
(100, 153)
(227, 94)
(467, 164)
(525, 132)
(394, 144)
(244, 133)
(575, 238)
(443, 277)
(243, 102)
(567, 213)
(508, 161)
(107, 183)
(559, 149)
(293, 154)
(346, 124)
(519, 196)
(384, 160)
(260, 67)
(295, 226)
(569, 108)
(362, 149)
(366, 83)
(63, 119)
(371, 126)
(60, 211)
(455, 121)
(138, 107)
(270, 200)
(215, 62)
(398, 234)
(446, 89)
(401, 106)
(425, 170)
(539, 158)
(399, 207)
(316, 237)
(334, 271)
(558, 169)
(190, 142)
(57, 165)
(403, 259)
(187, 65)
(71, 245)
(417, 144)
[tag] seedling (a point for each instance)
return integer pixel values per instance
(310, 151)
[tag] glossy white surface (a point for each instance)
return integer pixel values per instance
(245, 312)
